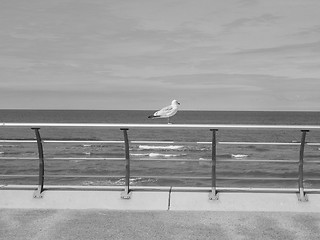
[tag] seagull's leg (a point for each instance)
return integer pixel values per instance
(169, 121)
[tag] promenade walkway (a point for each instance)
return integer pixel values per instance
(139, 225)
(92, 214)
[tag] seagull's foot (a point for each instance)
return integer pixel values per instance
(169, 123)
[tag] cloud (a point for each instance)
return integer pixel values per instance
(252, 21)
(313, 47)
(242, 83)
(308, 31)
(247, 3)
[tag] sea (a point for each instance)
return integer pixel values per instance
(182, 163)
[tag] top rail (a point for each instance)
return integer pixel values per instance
(195, 126)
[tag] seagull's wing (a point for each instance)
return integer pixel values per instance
(164, 111)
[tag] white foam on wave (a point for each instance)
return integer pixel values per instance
(119, 182)
(204, 162)
(239, 156)
(154, 155)
(170, 147)
(163, 155)
(135, 181)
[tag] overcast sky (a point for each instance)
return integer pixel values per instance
(141, 54)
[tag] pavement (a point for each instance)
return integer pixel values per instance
(105, 224)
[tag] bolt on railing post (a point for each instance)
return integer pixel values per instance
(126, 194)
(214, 194)
(39, 191)
(302, 196)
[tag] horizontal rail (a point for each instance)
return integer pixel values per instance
(63, 158)
(218, 160)
(156, 177)
(161, 159)
(259, 160)
(18, 158)
(132, 126)
(90, 159)
(18, 175)
(158, 142)
(312, 179)
(80, 141)
(59, 141)
(60, 176)
(260, 143)
(159, 188)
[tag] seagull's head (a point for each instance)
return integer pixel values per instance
(175, 103)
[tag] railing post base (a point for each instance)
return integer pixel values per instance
(38, 193)
(213, 196)
(125, 195)
(302, 196)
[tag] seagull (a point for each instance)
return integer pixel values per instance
(167, 112)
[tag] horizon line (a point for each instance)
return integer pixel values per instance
(182, 110)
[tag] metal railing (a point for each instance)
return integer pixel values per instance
(304, 129)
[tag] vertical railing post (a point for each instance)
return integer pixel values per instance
(126, 194)
(214, 194)
(302, 196)
(39, 190)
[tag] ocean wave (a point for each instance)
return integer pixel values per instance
(17, 153)
(169, 147)
(239, 156)
(119, 182)
(311, 156)
(204, 162)
(9, 146)
(139, 154)
(96, 145)
(164, 155)
(226, 156)
(134, 181)
(154, 155)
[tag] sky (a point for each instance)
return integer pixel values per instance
(243, 55)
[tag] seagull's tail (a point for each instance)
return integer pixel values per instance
(153, 116)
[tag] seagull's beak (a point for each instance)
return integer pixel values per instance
(178, 103)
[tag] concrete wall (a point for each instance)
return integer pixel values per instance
(162, 198)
